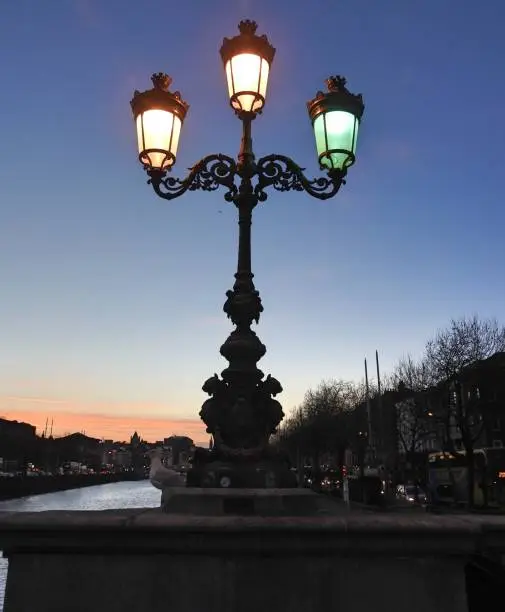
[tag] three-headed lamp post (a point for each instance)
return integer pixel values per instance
(241, 413)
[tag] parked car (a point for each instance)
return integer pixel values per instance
(411, 493)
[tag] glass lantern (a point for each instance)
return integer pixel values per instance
(247, 59)
(159, 115)
(336, 116)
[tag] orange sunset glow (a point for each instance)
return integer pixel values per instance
(118, 428)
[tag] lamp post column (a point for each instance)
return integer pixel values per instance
(245, 201)
(243, 349)
(241, 415)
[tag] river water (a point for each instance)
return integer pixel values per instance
(140, 494)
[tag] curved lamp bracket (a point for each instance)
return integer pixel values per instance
(286, 175)
(210, 173)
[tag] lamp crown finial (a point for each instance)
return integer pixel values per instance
(247, 26)
(161, 81)
(336, 83)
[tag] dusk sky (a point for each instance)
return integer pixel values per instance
(111, 303)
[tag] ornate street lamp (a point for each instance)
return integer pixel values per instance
(241, 413)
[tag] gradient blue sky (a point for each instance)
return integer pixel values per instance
(112, 299)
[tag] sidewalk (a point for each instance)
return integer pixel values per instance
(394, 505)
(492, 511)
(400, 505)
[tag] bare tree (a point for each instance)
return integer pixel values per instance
(448, 356)
(414, 375)
(290, 435)
(464, 342)
(414, 426)
(321, 424)
(326, 410)
(412, 378)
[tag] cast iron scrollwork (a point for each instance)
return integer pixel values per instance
(208, 174)
(285, 175)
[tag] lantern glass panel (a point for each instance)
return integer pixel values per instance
(336, 135)
(158, 133)
(247, 77)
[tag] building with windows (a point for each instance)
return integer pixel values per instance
(471, 405)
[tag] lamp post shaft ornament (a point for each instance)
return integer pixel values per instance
(242, 413)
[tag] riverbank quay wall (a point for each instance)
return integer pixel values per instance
(110, 560)
(22, 486)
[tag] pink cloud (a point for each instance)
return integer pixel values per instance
(33, 400)
(26, 402)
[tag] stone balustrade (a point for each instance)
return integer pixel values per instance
(147, 560)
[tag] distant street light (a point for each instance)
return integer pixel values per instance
(241, 414)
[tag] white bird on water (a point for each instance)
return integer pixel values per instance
(161, 476)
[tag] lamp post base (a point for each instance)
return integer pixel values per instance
(215, 469)
(243, 502)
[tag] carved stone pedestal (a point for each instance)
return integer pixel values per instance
(222, 474)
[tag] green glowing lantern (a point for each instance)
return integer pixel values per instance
(336, 115)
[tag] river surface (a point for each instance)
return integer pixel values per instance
(103, 497)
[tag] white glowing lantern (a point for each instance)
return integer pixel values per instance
(159, 115)
(247, 59)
